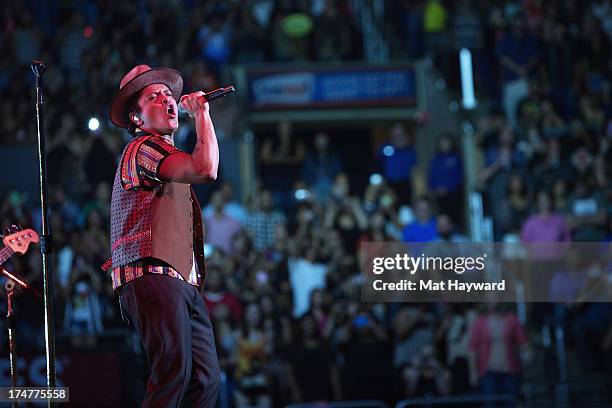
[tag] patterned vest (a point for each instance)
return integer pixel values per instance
(163, 222)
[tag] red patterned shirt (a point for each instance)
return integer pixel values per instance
(139, 168)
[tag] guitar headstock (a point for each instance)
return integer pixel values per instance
(19, 239)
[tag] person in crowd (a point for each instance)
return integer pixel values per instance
(518, 55)
(447, 230)
(349, 219)
(514, 209)
(543, 232)
(455, 330)
(216, 295)
(587, 212)
(446, 177)
(320, 167)
(412, 330)
(426, 375)
(545, 225)
(262, 222)
(253, 353)
(220, 227)
(423, 228)
(398, 158)
(306, 274)
(231, 207)
(83, 314)
(280, 159)
(311, 359)
(497, 339)
(368, 357)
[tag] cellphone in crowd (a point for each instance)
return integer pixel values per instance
(376, 179)
(302, 194)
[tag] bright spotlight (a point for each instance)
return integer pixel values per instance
(93, 124)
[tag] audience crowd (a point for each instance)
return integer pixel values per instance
(283, 268)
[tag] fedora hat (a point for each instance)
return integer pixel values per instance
(136, 80)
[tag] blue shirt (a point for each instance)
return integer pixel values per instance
(418, 232)
(446, 171)
(397, 163)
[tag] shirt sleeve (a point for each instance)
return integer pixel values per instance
(141, 162)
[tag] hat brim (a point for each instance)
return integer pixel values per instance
(167, 76)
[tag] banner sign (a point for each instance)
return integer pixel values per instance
(331, 88)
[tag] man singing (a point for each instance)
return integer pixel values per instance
(157, 236)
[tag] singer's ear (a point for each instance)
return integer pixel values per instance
(135, 118)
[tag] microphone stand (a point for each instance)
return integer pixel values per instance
(46, 243)
(9, 286)
(10, 325)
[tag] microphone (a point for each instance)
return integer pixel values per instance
(211, 96)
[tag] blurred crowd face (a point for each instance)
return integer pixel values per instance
(422, 210)
(321, 142)
(252, 315)
(506, 137)
(308, 326)
(559, 188)
(340, 188)
(103, 192)
(285, 128)
(582, 159)
(444, 225)
(221, 313)
(158, 109)
(398, 136)
(515, 184)
(280, 233)
(94, 220)
(227, 190)
(240, 244)
(214, 279)
(445, 144)
(217, 201)
(346, 220)
(544, 204)
(305, 215)
(377, 221)
(316, 299)
(265, 201)
(267, 306)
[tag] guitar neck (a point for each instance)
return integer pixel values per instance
(5, 253)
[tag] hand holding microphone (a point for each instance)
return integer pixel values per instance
(198, 100)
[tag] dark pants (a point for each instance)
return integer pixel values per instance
(176, 332)
(498, 384)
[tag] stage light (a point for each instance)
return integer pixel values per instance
(388, 150)
(93, 124)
